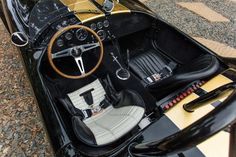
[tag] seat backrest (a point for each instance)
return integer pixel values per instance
(95, 89)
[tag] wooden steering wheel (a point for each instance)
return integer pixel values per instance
(76, 52)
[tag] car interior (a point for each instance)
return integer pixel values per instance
(141, 65)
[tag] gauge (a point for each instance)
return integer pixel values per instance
(99, 25)
(68, 36)
(58, 27)
(102, 34)
(93, 26)
(60, 43)
(64, 23)
(106, 23)
(81, 34)
(73, 20)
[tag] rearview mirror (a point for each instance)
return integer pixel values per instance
(19, 39)
(108, 5)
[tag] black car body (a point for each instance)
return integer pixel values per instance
(131, 30)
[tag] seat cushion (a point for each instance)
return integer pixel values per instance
(200, 68)
(112, 122)
(147, 64)
(150, 63)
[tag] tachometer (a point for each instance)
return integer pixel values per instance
(81, 34)
(102, 34)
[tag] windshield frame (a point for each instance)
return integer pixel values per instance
(43, 15)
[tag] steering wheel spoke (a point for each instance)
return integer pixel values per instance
(63, 53)
(80, 64)
(87, 47)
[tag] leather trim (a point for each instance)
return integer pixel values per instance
(202, 67)
(149, 63)
(89, 131)
(82, 132)
(128, 97)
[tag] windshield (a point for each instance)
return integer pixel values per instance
(43, 14)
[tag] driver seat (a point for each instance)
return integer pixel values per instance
(119, 116)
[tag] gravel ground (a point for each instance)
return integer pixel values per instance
(194, 25)
(21, 128)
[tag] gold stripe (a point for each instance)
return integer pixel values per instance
(217, 145)
(216, 82)
(182, 119)
(82, 5)
(118, 8)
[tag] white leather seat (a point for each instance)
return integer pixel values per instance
(112, 123)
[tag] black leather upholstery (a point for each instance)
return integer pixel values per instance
(150, 63)
(83, 132)
(127, 97)
(147, 64)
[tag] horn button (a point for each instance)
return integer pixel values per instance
(76, 52)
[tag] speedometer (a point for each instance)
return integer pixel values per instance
(68, 36)
(81, 34)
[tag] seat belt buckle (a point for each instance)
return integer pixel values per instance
(153, 78)
(164, 73)
(96, 109)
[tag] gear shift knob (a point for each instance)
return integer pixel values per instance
(121, 73)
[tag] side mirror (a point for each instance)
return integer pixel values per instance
(19, 39)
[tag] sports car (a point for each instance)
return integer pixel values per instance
(111, 78)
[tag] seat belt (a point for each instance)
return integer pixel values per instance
(163, 73)
(83, 114)
(107, 101)
(88, 97)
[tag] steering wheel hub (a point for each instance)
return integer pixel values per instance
(76, 52)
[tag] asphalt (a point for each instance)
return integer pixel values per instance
(21, 127)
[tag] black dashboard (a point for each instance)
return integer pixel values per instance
(107, 28)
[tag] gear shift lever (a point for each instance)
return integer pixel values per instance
(121, 73)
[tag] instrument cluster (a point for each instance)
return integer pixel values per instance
(69, 36)
(101, 27)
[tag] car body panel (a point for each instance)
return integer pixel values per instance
(32, 56)
(177, 119)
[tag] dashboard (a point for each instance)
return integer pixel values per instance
(107, 28)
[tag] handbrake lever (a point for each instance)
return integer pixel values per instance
(197, 103)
